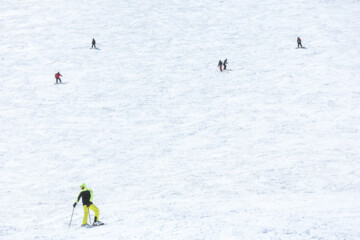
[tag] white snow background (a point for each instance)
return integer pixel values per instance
(172, 147)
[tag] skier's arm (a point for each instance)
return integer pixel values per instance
(91, 195)
(78, 198)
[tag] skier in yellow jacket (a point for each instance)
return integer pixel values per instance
(87, 197)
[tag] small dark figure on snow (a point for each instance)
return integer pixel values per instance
(220, 65)
(299, 42)
(57, 76)
(225, 62)
(93, 43)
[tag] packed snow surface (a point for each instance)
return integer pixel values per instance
(172, 147)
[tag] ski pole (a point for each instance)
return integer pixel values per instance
(89, 216)
(71, 216)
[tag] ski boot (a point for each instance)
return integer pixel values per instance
(97, 223)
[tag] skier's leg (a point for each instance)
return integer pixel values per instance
(86, 214)
(96, 210)
(60, 80)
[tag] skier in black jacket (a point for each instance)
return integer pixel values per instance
(87, 197)
(225, 62)
(93, 43)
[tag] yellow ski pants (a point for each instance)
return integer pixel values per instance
(86, 212)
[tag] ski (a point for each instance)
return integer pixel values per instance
(98, 225)
(91, 226)
(86, 226)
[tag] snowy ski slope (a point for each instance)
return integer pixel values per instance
(171, 147)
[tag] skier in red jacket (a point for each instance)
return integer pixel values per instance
(57, 76)
(220, 64)
(299, 42)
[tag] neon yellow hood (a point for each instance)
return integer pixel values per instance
(83, 185)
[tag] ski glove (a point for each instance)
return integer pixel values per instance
(74, 204)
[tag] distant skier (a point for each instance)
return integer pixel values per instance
(87, 197)
(225, 62)
(57, 76)
(299, 42)
(220, 65)
(93, 43)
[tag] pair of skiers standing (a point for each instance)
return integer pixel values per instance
(220, 64)
(87, 200)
